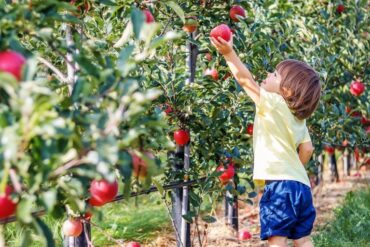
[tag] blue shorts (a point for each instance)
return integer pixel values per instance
(286, 209)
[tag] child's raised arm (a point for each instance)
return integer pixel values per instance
(238, 69)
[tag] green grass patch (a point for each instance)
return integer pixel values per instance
(350, 225)
(140, 220)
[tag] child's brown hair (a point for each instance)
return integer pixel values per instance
(300, 87)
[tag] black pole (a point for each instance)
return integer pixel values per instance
(334, 176)
(320, 169)
(176, 194)
(231, 210)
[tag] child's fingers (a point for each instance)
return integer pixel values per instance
(222, 41)
(215, 42)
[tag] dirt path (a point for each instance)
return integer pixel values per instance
(326, 197)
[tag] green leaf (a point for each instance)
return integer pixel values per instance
(123, 63)
(252, 194)
(49, 198)
(44, 231)
(137, 18)
(24, 209)
(209, 219)
(26, 238)
(177, 9)
(188, 217)
(158, 185)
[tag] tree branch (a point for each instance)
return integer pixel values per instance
(62, 77)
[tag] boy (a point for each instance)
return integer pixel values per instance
(287, 97)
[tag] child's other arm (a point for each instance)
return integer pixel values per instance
(305, 151)
(238, 69)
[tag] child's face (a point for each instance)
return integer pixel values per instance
(272, 82)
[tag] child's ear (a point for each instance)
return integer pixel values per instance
(287, 92)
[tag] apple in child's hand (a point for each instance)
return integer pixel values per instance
(148, 16)
(244, 235)
(236, 12)
(357, 88)
(12, 62)
(222, 31)
(212, 72)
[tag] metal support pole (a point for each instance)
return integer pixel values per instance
(176, 194)
(320, 169)
(334, 176)
(185, 226)
(346, 163)
(231, 210)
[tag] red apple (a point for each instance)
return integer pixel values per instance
(222, 31)
(148, 16)
(236, 11)
(208, 56)
(72, 228)
(96, 202)
(133, 244)
(348, 109)
(356, 152)
(330, 150)
(356, 114)
(88, 215)
(345, 143)
(212, 72)
(12, 62)
(340, 8)
(181, 137)
(227, 173)
(357, 88)
(365, 120)
(140, 167)
(244, 235)
(102, 192)
(7, 206)
(250, 129)
(227, 75)
(83, 6)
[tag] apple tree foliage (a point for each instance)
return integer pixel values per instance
(98, 79)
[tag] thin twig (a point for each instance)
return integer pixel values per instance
(62, 77)
(15, 182)
(72, 163)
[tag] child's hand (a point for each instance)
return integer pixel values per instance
(222, 45)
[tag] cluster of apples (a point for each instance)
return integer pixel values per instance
(11, 62)
(236, 13)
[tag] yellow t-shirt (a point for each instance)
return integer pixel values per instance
(276, 136)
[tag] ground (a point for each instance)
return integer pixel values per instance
(326, 197)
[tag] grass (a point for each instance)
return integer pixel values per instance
(350, 225)
(121, 220)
